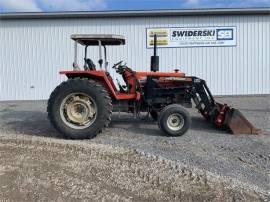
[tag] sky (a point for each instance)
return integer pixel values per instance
(101, 5)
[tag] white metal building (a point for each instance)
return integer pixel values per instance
(35, 46)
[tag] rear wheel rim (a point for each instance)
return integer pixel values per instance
(175, 122)
(78, 111)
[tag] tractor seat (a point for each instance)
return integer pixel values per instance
(90, 65)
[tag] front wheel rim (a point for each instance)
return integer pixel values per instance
(78, 111)
(175, 122)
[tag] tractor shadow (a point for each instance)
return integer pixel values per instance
(35, 123)
(200, 124)
(143, 125)
(150, 127)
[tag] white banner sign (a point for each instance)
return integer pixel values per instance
(192, 37)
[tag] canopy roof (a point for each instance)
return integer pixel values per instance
(92, 39)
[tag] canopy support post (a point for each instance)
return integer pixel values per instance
(100, 54)
(75, 62)
(105, 57)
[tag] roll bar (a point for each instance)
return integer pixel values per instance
(100, 61)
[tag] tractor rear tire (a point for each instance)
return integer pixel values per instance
(79, 108)
(174, 120)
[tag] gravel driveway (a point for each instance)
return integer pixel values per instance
(131, 160)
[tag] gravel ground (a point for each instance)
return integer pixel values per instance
(132, 161)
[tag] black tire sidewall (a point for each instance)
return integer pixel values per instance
(174, 109)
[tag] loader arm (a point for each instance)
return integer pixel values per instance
(221, 115)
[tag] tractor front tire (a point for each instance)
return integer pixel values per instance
(79, 108)
(174, 120)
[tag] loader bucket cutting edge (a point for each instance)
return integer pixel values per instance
(238, 124)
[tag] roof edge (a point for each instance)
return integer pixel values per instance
(135, 13)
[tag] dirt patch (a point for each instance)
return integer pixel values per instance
(39, 169)
(132, 160)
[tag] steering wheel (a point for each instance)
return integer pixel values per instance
(117, 64)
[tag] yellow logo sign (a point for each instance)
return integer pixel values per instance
(162, 37)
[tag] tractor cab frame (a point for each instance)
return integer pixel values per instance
(89, 70)
(95, 40)
(133, 80)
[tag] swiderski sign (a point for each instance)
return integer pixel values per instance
(192, 37)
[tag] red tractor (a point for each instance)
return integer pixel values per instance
(82, 106)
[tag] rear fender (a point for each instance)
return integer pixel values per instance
(98, 76)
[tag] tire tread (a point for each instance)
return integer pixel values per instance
(106, 119)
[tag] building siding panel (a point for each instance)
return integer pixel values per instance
(33, 51)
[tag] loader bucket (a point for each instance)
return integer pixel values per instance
(238, 124)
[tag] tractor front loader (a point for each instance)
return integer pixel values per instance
(81, 107)
(221, 115)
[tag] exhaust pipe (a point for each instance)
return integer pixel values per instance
(155, 58)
